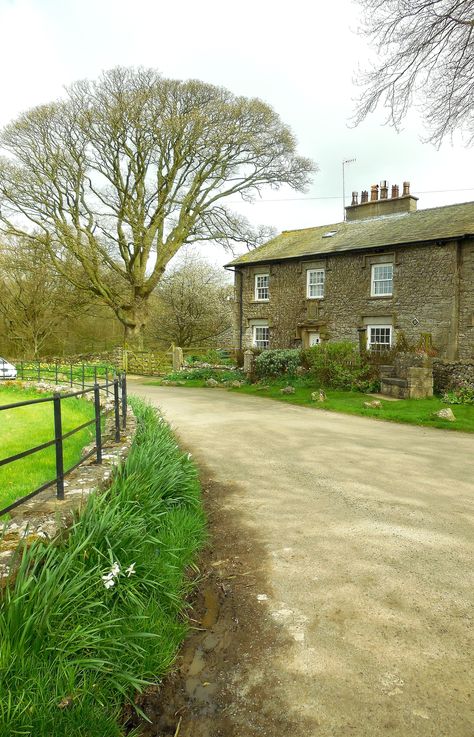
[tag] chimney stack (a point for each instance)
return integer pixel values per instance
(380, 205)
(374, 192)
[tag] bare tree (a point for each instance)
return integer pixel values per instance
(427, 58)
(192, 306)
(127, 169)
(34, 302)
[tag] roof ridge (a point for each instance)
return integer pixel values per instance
(351, 222)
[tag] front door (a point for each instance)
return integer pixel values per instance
(314, 339)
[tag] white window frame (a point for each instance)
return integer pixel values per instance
(374, 282)
(262, 289)
(379, 327)
(257, 342)
(320, 284)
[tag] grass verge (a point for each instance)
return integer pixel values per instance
(25, 427)
(410, 411)
(73, 649)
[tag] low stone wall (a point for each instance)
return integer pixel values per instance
(44, 516)
(449, 374)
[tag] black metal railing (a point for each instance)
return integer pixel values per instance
(74, 374)
(117, 387)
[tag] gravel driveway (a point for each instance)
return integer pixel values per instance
(366, 530)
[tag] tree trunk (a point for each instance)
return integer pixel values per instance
(134, 336)
(134, 319)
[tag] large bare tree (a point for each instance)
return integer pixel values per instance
(127, 169)
(426, 50)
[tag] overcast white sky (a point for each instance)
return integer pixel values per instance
(301, 57)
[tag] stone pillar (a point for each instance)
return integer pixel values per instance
(249, 362)
(178, 360)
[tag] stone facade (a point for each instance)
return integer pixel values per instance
(433, 294)
(449, 374)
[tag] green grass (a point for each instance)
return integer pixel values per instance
(65, 638)
(44, 371)
(411, 411)
(26, 427)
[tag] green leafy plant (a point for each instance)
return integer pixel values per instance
(193, 374)
(277, 363)
(341, 366)
(462, 394)
(86, 624)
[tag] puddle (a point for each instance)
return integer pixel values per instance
(212, 606)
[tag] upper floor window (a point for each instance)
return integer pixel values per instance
(315, 283)
(382, 280)
(261, 287)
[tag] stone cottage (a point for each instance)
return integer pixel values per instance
(387, 268)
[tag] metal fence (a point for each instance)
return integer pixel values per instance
(75, 374)
(116, 388)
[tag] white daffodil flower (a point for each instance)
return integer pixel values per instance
(130, 570)
(115, 570)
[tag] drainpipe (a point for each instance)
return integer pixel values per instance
(241, 305)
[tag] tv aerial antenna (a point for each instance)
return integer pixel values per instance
(344, 162)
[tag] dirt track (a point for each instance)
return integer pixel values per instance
(338, 590)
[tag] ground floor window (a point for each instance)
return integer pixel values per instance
(261, 336)
(314, 338)
(379, 337)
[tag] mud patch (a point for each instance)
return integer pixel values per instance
(225, 682)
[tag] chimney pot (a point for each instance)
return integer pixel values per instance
(383, 190)
(355, 198)
(374, 192)
(406, 189)
(394, 191)
(364, 197)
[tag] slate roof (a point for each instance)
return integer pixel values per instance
(437, 223)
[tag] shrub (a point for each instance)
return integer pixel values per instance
(341, 366)
(193, 374)
(277, 363)
(463, 394)
(213, 356)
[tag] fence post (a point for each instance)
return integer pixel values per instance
(56, 372)
(84, 377)
(116, 410)
(39, 371)
(22, 369)
(95, 374)
(124, 400)
(58, 436)
(98, 433)
(106, 381)
(70, 373)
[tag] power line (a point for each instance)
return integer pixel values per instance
(339, 197)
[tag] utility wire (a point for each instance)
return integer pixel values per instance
(339, 197)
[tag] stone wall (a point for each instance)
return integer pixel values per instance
(433, 293)
(449, 374)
